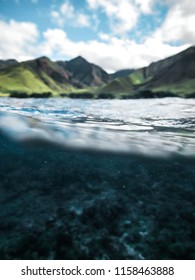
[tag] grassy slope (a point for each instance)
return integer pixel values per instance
(136, 82)
(182, 88)
(21, 78)
(117, 86)
(26, 78)
(123, 86)
(55, 86)
(137, 77)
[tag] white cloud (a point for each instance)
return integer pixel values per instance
(179, 23)
(83, 20)
(55, 42)
(17, 39)
(57, 18)
(145, 6)
(123, 14)
(67, 10)
(20, 40)
(109, 6)
(68, 14)
(112, 53)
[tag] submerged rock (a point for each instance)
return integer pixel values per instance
(62, 204)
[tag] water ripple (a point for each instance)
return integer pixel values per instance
(155, 126)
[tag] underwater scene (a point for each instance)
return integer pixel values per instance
(97, 179)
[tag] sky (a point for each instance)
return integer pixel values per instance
(114, 34)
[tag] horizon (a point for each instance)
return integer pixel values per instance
(101, 31)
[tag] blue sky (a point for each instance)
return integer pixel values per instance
(114, 34)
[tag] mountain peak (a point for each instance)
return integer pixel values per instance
(79, 59)
(43, 58)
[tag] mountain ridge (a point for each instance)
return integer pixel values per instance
(6, 63)
(172, 76)
(91, 74)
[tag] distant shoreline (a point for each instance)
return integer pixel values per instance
(136, 95)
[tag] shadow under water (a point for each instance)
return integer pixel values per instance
(70, 204)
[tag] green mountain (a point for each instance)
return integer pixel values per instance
(6, 63)
(85, 74)
(121, 73)
(20, 78)
(78, 78)
(173, 76)
(39, 76)
(43, 77)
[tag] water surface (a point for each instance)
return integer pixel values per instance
(97, 179)
(155, 126)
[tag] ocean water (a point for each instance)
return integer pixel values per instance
(97, 179)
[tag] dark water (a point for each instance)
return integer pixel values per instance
(85, 179)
